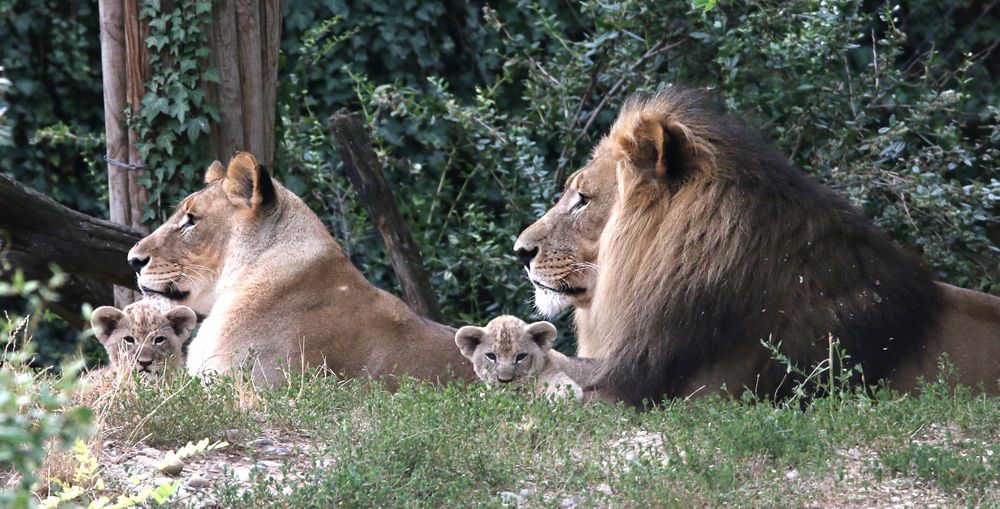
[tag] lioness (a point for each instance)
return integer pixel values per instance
(143, 337)
(253, 257)
(510, 351)
(686, 241)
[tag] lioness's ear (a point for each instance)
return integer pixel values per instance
(182, 319)
(542, 333)
(215, 172)
(104, 320)
(468, 338)
(248, 182)
(658, 149)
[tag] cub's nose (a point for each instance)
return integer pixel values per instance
(505, 380)
(525, 254)
(144, 365)
(137, 263)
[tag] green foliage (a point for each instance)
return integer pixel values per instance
(35, 414)
(175, 112)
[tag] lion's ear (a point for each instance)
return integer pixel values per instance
(658, 149)
(104, 320)
(542, 333)
(468, 338)
(182, 319)
(215, 172)
(249, 183)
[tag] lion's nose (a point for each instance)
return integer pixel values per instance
(505, 380)
(138, 263)
(145, 365)
(525, 255)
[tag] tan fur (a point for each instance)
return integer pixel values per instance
(147, 336)
(508, 350)
(278, 290)
(680, 248)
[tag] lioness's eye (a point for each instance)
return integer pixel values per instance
(129, 339)
(491, 356)
(582, 202)
(520, 357)
(188, 222)
(158, 340)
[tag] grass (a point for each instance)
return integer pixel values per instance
(464, 445)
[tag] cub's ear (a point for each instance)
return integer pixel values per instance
(104, 320)
(215, 172)
(542, 333)
(182, 319)
(657, 149)
(468, 338)
(248, 183)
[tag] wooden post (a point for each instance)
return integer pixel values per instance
(113, 56)
(365, 172)
(246, 40)
(136, 77)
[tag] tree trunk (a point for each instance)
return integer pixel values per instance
(365, 172)
(35, 231)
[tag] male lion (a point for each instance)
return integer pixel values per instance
(686, 241)
(277, 289)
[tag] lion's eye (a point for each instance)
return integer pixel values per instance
(129, 339)
(582, 202)
(159, 340)
(189, 222)
(520, 357)
(491, 356)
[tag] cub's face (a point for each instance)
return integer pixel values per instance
(142, 337)
(183, 258)
(559, 250)
(507, 350)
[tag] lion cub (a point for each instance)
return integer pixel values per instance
(143, 336)
(508, 350)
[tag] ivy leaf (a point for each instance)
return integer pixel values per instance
(156, 42)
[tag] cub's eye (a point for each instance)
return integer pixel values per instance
(129, 339)
(188, 222)
(582, 202)
(159, 340)
(491, 356)
(520, 357)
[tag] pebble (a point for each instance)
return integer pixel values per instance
(150, 452)
(511, 498)
(278, 451)
(242, 474)
(262, 442)
(570, 501)
(792, 475)
(233, 436)
(197, 481)
(527, 492)
(268, 464)
(160, 481)
(605, 488)
(172, 465)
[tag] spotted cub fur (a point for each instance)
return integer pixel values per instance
(510, 351)
(147, 336)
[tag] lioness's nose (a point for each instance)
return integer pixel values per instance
(525, 253)
(138, 263)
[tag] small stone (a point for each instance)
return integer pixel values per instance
(199, 482)
(242, 474)
(894, 499)
(147, 463)
(262, 442)
(160, 481)
(172, 465)
(792, 475)
(605, 488)
(632, 458)
(527, 492)
(278, 451)
(151, 452)
(570, 501)
(511, 498)
(233, 436)
(269, 465)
